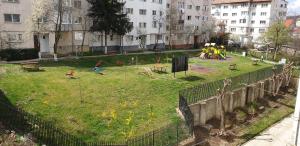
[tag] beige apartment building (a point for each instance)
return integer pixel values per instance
(13, 15)
(150, 20)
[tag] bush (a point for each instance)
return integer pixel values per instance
(18, 54)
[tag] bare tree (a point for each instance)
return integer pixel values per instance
(220, 101)
(47, 17)
(172, 21)
(285, 75)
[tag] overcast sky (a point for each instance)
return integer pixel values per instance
(294, 7)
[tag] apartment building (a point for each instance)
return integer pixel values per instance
(149, 18)
(188, 23)
(13, 15)
(248, 19)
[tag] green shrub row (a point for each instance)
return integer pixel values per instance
(18, 54)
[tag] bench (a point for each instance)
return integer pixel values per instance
(232, 67)
(255, 62)
(160, 67)
(30, 66)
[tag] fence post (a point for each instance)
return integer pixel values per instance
(153, 137)
(177, 133)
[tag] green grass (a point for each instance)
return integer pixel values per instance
(271, 117)
(119, 104)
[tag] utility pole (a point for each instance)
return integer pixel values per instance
(296, 118)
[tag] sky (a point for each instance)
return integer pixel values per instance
(294, 7)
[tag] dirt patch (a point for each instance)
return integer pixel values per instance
(238, 121)
(201, 69)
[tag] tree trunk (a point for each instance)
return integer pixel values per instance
(82, 43)
(58, 26)
(105, 43)
(222, 111)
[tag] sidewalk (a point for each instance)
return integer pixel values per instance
(279, 134)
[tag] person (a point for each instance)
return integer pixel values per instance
(98, 69)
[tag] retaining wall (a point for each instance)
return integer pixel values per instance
(208, 109)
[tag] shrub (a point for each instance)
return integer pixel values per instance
(18, 54)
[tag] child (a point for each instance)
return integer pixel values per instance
(98, 69)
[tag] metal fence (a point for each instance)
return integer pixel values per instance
(206, 90)
(47, 133)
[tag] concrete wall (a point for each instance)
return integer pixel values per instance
(209, 108)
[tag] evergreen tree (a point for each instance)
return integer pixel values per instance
(108, 18)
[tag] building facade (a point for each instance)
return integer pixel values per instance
(188, 23)
(247, 20)
(150, 19)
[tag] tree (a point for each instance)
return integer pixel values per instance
(220, 101)
(108, 18)
(46, 17)
(278, 35)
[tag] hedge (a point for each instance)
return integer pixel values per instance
(18, 54)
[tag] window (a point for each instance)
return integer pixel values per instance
(14, 37)
(160, 1)
(244, 13)
(129, 10)
(253, 13)
(11, 1)
(197, 8)
(263, 14)
(43, 19)
(189, 17)
(130, 37)
(234, 14)
(244, 5)
(225, 14)
(142, 25)
(242, 20)
(154, 24)
(153, 12)
(252, 22)
(232, 29)
(264, 5)
(189, 6)
(261, 30)
(77, 4)
(143, 12)
(234, 7)
(15, 18)
(225, 7)
(168, 5)
(251, 29)
(262, 22)
(78, 20)
(197, 17)
(253, 5)
(233, 21)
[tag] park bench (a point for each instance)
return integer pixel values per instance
(255, 62)
(30, 66)
(232, 67)
(160, 67)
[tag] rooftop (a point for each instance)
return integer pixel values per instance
(236, 1)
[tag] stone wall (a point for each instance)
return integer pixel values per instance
(208, 109)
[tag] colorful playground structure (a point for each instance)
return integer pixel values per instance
(211, 51)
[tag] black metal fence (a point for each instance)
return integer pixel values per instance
(206, 90)
(187, 113)
(47, 133)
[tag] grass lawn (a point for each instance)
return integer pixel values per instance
(113, 106)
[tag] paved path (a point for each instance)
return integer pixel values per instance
(279, 134)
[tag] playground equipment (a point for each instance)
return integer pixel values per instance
(211, 51)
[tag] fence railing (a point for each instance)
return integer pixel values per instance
(47, 133)
(206, 90)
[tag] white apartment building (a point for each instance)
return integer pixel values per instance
(149, 19)
(191, 22)
(248, 19)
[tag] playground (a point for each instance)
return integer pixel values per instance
(112, 98)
